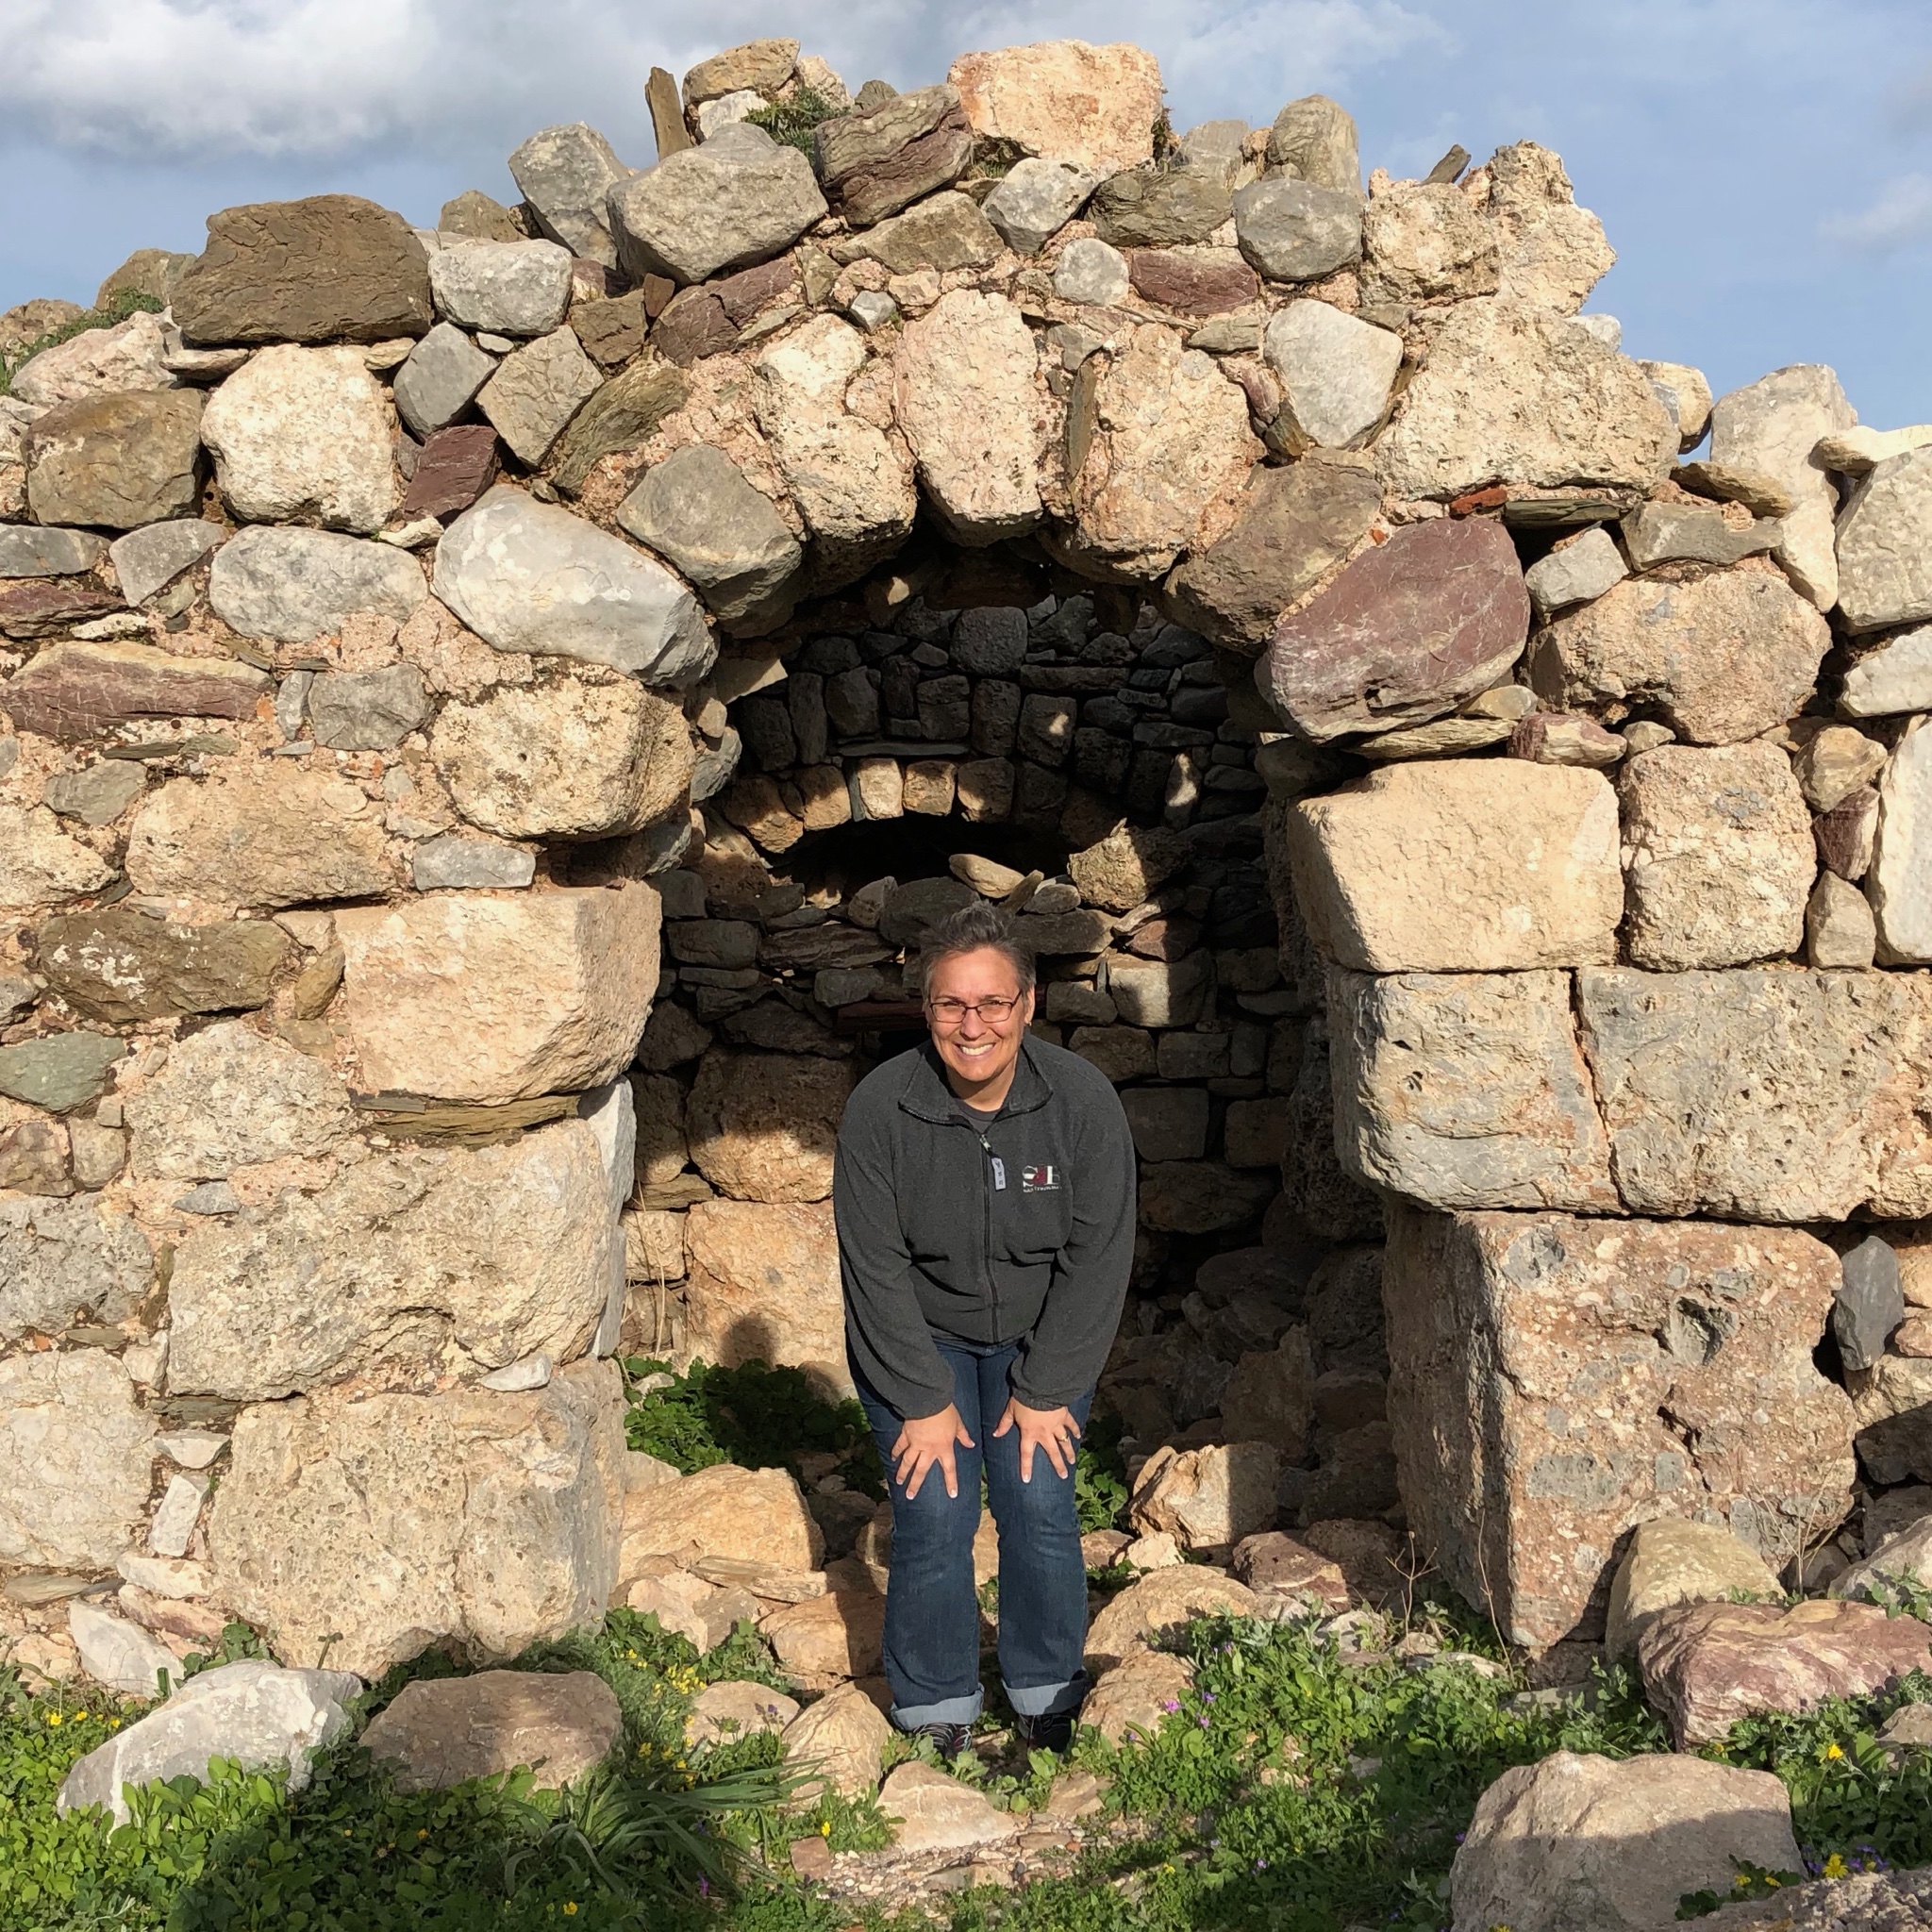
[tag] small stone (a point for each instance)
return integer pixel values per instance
(535, 391)
(296, 585)
(565, 175)
(1336, 371)
(840, 1738)
(1869, 1305)
(454, 469)
(120, 965)
(1131, 1702)
(1091, 271)
(1314, 139)
(440, 379)
(367, 711)
(192, 1449)
(509, 288)
(436, 1733)
(619, 416)
(942, 233)
(77, 1455)
(1035, 200)
(1158, 206)
(58, 1072)
(478, 217)
(1273, 1562)
(1896, 676)
(116, 461)
(758, 1515)
(121, 1654)
(872, 309)
(1686, 394)
(29, 552)
(98, 794)
(1674, 1560)
(1577, 572)
(150, 558)
(457, 862)
(174, 1518)
(1298, 230)
(1549, 738)
(1672, 532)
(937, 1813)
(1840, 929)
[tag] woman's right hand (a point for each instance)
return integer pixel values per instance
(924, 1440)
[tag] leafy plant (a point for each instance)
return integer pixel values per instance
(1753, 1881)
(1100, 1475)
(792, 122)
(124, 305)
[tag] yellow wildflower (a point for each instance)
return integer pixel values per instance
(825, 1827)
(1834, 1751)
(54, 1717)
(1835, 1866)
(570, 1908)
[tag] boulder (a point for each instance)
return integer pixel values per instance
(1313, 138)
(439, 380)
(1133, 1699)
(383, 1525)
(565, 175)
(937, 1813)
(1336, 371)
(1161, 1604)
(1209, 1499)
(1717, 856)
(1582, 1844)
(754, 1515)
(98, 361)
(1404, 634)
(417, 1267)
(740, 198)
(1720, 658)
(252, 1712)
(886, 155)
(1514, 393)
(1467, 1090)
(436, 993)
(506, 288)
(296, 585)
(763, 1127)
(535, 391)
(566, 760)
(116, 461)
(836, 1634)
(1578, 571)
(1461, 867)
(763, 1286)
(723, 1713)
(367, 711)
(75, 1455)
(439, 1732)
(1426, 242)
(530, 577)
(1588, 1340)
(330, 267)
(1707, 1665)
(1550, 253)
(61, 1258)
(1298, 231)
(1090, 106)
(838, 1740)
(1159, 205)
(40, 865)
(1675, 1559)
(258, 832)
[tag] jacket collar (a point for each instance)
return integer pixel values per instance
(929, 1097)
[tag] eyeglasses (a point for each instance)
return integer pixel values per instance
(951, 1012)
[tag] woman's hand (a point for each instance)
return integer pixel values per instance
(1053, 1430)
(924, 1440)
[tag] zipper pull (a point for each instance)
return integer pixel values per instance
(999, 1166)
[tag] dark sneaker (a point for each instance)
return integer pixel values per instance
(947, 1739)
(1052, 1733)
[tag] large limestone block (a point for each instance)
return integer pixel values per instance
(1093, 107)
(75, 690)
(969, 398)
(1719, 659)
(302, 435)
(1555, 1381)
(1168, 452)
(1883, 574)
(764, 1285)
(63, 1259)
(385, 1525)
(1717, 856)
(40, 865)
(1422, 241)
(1467, 1090)
(469, 998)
(75, 1457)
(116, 461)
(1674, 1560)
(1550, 253)
(1899, 883)
(1514, 393)
(331, 268)
(1461, 866)
(851, 482)
(295, 585)
(565, 760)
(748, 1515)
(530, 577)
(1404, 634)
(1593, 1844)
(258, 832)
(763, 1127)
(1765, 1095)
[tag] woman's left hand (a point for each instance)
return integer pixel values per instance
(1052, 1430)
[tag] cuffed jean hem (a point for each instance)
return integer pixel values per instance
(1049, 1700)
(948, 1711)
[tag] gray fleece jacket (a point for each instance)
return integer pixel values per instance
(984, 1227)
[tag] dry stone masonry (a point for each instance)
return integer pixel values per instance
(492, 710)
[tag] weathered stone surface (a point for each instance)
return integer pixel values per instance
(530, 577)
(1767, 1094)
(754, 1515)
(62, 1258)
(509, 288)
(120, 965)
(1461, 867)
(302, 434)
(39, 609)
(40, 864)
(1270, 1397)
(1298, 230)
(148, 559)
(436, 1733)
(1717, 854)
(58, 1072)
(253, 1712)
(1093, 107)
(1551, 253)
(723, 1712)
(1209, 1498)
(331, 268)
(1840, 929)
(566, 760)
(1422, 241)
(566, 174)
(1882, 577)
(1591, 1844)
(1160, 204)
(839, 1738)
(74, 1475)
(1336, 371)
(937, 1812)
(1675, 1559)
(1537, 1368)
(968, 397)
(1707, 1665)
(1577, 572)
(1131, 1702)
(836, 1634)
(1127, 867)
(1720, 658)
(440, 378)
(74, 690)
(1292, 526)
(367, 711)
(762, 66)
(764, 1285)
(456, 465)
(1404, 634)
(1895, 676)
(116, 461)
(888, 153)
(256, 832)
(1834, 762)
(1035, 200)
(1901, 1561)
(740, 198)
(1870, 1303)
(29, 552)
(1899, 884)
(384, 1525)
(98, 361)
(762, 1126)
(1091, 271)
(1193, 281)
(295, 585)
(944, 233)
(1282, 1567)
(1467, 1090)
(1514, 393)
(535, 391)
(1313, 138)
(1893, 1402)
(436, 998)
(1157, 1607)
(1676, 533)
(697, 509)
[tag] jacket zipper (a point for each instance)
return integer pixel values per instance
(992, 1286)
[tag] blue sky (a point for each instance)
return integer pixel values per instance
(1763, 167)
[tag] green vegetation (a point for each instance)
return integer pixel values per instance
(118, 309)
(792, 122)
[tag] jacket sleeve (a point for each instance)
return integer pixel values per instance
(891, 1345)
(1070, 1342)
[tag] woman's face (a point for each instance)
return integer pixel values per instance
(976, 1048)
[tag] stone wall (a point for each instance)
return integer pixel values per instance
(494, 708)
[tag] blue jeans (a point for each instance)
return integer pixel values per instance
(932, 1615)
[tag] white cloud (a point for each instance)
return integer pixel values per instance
(1901, 216)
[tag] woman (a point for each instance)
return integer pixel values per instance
(984, 1194)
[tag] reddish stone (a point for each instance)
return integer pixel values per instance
(454, 468)
(744, 293)
(656, 291)
(1845, 833)
(38, 606)
(876, 163)
(1707, 1665)
(693, 325)
(1165, 939)
(1475, 501)
(1369, 1554)
(811, 1858)
(1273, 1560)
(1405, 634)
(75, 691)
(1189, 285)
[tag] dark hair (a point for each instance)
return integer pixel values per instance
(975, 929)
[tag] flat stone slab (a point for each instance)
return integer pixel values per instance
(439, 1732)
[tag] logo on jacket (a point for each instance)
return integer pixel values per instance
(1039, 1180)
